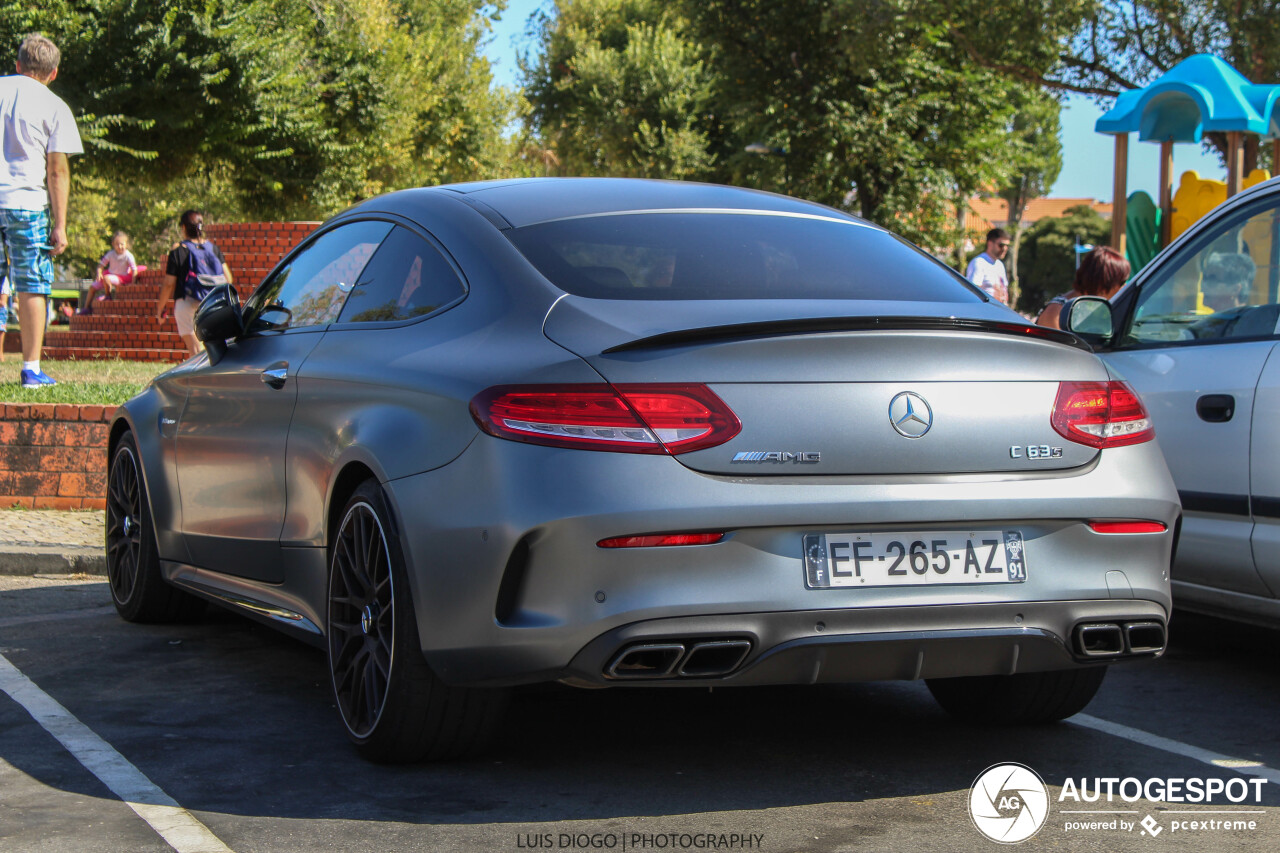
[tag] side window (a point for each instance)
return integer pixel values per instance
(1226, 287)
(310, 290)
(408, 277)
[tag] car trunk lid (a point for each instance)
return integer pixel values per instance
(819, 392)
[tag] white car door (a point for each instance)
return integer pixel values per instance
(1264, 475)
(1198, 331)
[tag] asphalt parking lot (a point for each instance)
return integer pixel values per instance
(223, 736)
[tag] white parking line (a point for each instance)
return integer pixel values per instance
(1240, 765)
(177, 826)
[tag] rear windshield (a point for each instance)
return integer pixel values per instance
(661, 256)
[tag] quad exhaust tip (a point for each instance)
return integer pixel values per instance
(649, 660)
(714, 659)
(1113, 640)
(678, 659)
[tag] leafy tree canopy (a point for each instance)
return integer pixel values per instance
(620, 89)
(268, 108)
(870, 105)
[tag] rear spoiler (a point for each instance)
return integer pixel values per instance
(816, 325)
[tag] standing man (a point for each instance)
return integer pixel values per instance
(987, 270)
(37, 133)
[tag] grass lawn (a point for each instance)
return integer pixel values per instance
(105, 382)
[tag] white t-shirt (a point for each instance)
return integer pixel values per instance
(989, 275)
(33, 122)
(118, 264)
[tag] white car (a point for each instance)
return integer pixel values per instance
(1196, 333)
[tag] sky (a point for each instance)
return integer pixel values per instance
(1088, 158)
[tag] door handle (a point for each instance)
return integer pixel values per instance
(276, 376)
(1216, 408)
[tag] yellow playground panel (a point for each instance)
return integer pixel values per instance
(1196, 196)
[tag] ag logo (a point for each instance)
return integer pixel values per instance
(1008, 803)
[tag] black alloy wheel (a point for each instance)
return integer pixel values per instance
(138, 590)
(396, 710)
(124, 528)
(362, 618)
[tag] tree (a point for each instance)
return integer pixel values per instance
(1047, 264)
(870, 105)
(1036, 159)
(619, 89)
(265, 108)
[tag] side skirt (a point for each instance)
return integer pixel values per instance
(296, 607)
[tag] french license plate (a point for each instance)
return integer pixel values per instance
(913, 558)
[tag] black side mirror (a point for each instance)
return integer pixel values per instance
(218, 318)
(1089, 318)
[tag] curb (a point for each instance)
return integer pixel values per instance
(41, 560)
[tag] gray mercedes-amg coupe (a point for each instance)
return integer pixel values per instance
(615, 433)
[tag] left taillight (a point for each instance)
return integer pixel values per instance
(1101, 414)
(666, 418)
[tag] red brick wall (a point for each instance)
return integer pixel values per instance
(53, 456)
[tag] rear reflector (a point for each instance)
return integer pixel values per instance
(624, 418)
(1101, 414)
(1127, 526)
(663, 540)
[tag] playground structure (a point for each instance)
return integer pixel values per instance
(1201, 94)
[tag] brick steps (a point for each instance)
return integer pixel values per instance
(125, 326)
(167, 339)
(127, 353)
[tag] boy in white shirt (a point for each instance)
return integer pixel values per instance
(37, 133)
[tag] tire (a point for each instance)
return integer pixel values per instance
(1032, 697)
(395, 709)
(138, 591)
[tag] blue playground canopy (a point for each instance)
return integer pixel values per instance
(1198, 95)
(1201, 94)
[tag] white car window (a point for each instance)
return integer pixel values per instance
(1226, 287)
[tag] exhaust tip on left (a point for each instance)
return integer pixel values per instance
(649, 660)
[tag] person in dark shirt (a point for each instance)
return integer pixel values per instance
(179, 273)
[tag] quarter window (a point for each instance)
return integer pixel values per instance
(407, 278)
(1226, 286)
(311, 288)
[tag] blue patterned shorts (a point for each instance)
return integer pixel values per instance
(26, 261)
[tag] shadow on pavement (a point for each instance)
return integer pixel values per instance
(230, 717)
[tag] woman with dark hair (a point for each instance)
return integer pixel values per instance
(1102, 272)
(194, 266)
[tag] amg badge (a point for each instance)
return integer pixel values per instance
(778, 456)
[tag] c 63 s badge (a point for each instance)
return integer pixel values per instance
(1035, 451)
(778, 456)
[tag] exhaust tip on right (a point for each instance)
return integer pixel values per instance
(715, 658)
(1143, 638)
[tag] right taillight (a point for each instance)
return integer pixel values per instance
(1101, 414)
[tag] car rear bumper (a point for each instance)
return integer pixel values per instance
(897, 643)
(509, 585)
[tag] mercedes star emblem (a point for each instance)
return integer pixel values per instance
(910, 415)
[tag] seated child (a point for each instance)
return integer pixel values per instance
(117, 267)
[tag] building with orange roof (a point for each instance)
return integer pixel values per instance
(988, 213)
